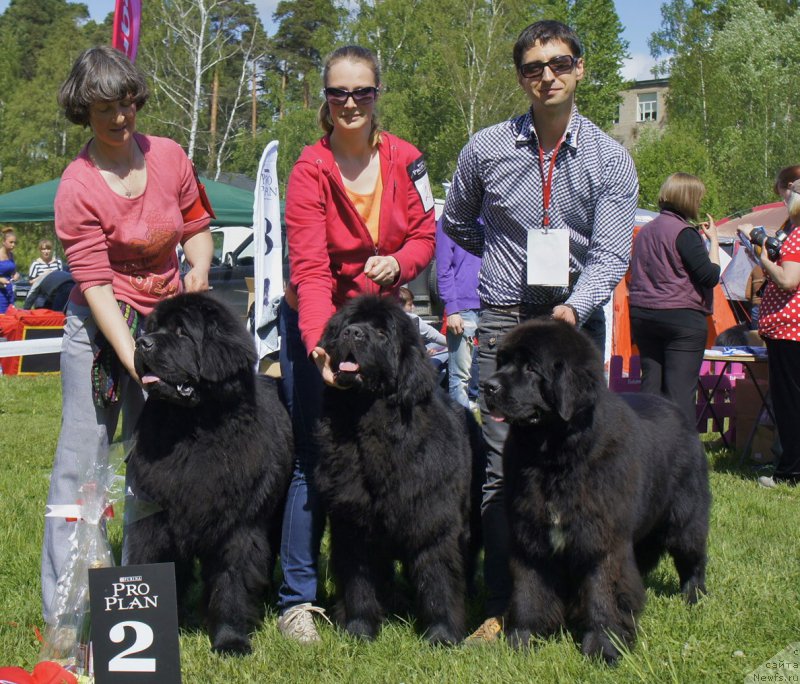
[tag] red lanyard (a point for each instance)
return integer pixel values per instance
(547, 184)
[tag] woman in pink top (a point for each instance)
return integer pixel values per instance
(122, 207)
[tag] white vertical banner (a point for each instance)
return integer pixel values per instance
(268, 252)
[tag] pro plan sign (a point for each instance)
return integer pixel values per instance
(135, 624)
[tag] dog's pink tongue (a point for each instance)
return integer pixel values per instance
(149, 378)
(348, 367)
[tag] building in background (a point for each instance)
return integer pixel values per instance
(643, 107)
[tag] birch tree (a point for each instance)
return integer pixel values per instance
(186, 41)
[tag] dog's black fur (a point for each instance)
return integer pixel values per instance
(213, 451)
(400, 471)
(597, 486)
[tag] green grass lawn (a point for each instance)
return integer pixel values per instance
(752, 611)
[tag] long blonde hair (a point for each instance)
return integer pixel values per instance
(354, 53)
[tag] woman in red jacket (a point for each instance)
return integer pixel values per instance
(359, 219)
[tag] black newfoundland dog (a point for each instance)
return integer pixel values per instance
(213, 453)
(400, 470)
(598, 486)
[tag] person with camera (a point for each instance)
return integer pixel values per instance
(671, 292)
(779, 326)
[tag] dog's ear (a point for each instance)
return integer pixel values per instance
(574, 389)
(332, 331)
(226, 352)
(416, 377)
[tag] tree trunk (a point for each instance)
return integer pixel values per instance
(253, 112)
(212, 143)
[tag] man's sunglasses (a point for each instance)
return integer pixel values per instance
(339, 96)
(558, 65)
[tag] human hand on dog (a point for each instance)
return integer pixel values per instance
(323, 361)
(562, 312)
(383, 270)
(196, 280)
(199, 249)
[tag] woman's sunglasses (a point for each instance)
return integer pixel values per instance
(558, 65)
(339, 96)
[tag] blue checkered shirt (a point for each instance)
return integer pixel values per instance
(594, 196)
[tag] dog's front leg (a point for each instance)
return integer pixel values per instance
(363, 574)
(611, 595)
(437, 574)
(536, 607)
(236, 577)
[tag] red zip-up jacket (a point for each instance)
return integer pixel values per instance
(329, 242)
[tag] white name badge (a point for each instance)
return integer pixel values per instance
(548, 258)
(418, 172)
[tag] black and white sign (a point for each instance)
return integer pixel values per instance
(135, 624)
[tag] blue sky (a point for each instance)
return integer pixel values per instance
(639, 17)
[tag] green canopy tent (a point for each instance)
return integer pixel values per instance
(233, 206)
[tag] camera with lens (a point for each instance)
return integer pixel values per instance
(760, 240)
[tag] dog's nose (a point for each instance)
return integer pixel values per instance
(491, 387)
(145, 343)
(353, 332)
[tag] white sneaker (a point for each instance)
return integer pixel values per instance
(298, 623)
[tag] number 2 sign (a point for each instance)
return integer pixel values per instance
(135, 624)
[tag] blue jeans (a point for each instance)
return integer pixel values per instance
(494, 325)
(303, 520)
(460, 349)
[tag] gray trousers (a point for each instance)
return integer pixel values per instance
(82, 445)
(493, 325)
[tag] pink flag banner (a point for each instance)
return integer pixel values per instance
(127, 17)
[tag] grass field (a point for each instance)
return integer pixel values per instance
(752, 612)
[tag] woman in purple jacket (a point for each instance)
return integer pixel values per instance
(671, 292)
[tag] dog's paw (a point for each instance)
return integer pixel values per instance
(441, 634)
(693, 591)
(228, 641)
(361, 628)
(596, 644)
(518, 638)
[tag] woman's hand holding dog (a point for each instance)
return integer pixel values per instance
(320, 357)
(383, 270)
(198, 250)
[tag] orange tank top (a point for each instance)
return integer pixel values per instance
(369, 207)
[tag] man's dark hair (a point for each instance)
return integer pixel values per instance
(544, 32)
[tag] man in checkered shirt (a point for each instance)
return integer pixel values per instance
(549, 167)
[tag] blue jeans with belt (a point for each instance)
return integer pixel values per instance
(303, 520)
(494, 324)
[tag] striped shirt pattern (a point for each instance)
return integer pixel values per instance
(38, 267)
(594, 195)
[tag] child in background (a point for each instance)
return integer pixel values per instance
(434, 341)
(429, 334)
(45, 263)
